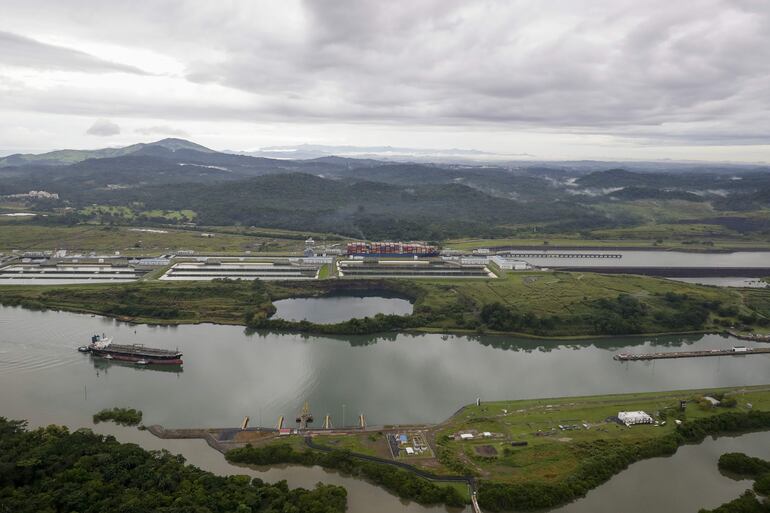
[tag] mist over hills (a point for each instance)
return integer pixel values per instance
(371, 197)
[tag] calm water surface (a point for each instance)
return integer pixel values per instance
(397, 379)
(654, 258)
(329, 310)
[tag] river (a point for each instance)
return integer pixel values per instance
(229, 373)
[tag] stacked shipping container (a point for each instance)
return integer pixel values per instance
(391, 249)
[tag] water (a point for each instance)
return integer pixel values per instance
(339, 308)
(652, 259)
(395, 379)
(685, 482)
(726, 282)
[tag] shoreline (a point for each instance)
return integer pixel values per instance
(305, 447)
(409, 331)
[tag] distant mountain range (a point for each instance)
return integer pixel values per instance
(371, 197)
(65, 157)
(312, 151)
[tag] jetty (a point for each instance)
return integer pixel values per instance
(735, 351)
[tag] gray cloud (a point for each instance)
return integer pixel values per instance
(162, 130)
(103, 128)
(649, 70)
(17, 50)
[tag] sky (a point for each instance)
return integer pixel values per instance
(549, 79)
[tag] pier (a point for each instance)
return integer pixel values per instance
(735, 351)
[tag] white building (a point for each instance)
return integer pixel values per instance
(630, 418)
(474, 261)
(509, 264)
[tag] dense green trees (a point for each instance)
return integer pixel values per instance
(746, 466)
(402, 482)
(746, 503)
(122, 416)
(50, 470)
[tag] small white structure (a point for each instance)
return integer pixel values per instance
(481, 251)
(474, 261)
(466, 436)
(630, 418)
(740, 349)
(509, 264)
(409, 451)
(713, 400)
(486, 434)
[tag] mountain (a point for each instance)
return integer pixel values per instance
(66, 157)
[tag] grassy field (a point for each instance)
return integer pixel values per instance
(648, 237)
(550, 444)
(133, 240)
(661, 228)
(551, 453)
(553, 456)
(148, 301)
(557, 304)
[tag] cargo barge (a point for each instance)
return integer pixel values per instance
(735, 351)
(391, 249)
(103, 347)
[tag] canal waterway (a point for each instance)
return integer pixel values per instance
(548, 258)
(229, 373)
(333, 309)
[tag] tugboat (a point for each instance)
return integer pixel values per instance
(139, 354)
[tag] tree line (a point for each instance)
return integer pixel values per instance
(50, 470)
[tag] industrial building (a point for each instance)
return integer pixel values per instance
(629, 418)
(51, 273)
(509, 264)
(243, 270)
(357, 268)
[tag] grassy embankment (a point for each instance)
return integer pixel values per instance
(24, 235)
(556, 465)
(661, 225)
(532, 303)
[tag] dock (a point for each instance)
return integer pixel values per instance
(735, 351)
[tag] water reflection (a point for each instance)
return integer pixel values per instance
(104, 365)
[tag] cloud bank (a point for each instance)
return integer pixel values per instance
(653, 72)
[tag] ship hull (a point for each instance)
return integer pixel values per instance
(135, 357)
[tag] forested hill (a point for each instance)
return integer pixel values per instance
(368, 198)
(359, 208)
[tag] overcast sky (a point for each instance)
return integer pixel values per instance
(636, 79)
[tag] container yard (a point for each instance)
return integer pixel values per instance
(391, 249)
(361, 268)
(244, 270)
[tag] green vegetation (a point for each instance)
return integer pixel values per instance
(151, 301)
(27, 235)
(401, 482)
(560, 465)
(744, 466)
(746, 503)
(539, 453)
(559, 304)
(50, 469)
(122, 416)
